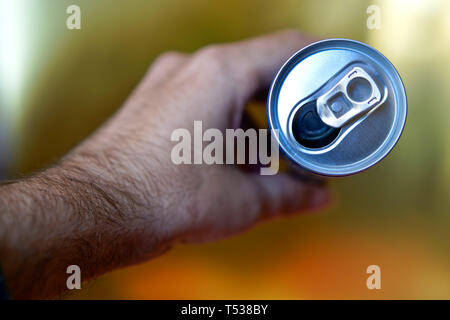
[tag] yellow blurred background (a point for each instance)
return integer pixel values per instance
(57, 85)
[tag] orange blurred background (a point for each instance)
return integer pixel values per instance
(57, 85)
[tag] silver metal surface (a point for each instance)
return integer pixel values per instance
(366, 136)
(341, 103)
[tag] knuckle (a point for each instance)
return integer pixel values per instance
(215, 57)
(169, 58)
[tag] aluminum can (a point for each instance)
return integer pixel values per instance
(337, 107)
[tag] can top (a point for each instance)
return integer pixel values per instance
(337, 107)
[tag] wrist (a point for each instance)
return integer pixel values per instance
(113, 212)
(69, 215)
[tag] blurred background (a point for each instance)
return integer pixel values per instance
(57, 85)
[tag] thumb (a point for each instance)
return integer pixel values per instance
(283, 194)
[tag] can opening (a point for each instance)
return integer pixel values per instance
(309, 130)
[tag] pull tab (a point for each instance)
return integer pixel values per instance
(354, 94)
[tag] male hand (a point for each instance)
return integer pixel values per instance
(118, 199)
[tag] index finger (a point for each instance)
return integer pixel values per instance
(256, 61)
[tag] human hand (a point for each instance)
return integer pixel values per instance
(195, 202)
(119, 199)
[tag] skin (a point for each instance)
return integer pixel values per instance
(117, 199)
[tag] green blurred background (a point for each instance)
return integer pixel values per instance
(57, 85)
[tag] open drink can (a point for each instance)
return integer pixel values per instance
(337, 107)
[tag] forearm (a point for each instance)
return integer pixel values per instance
(60, 217)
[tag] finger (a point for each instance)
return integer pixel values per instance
(255, 62)
(284, 194)
(243, 200)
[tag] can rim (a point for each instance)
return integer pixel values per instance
(324, 171)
